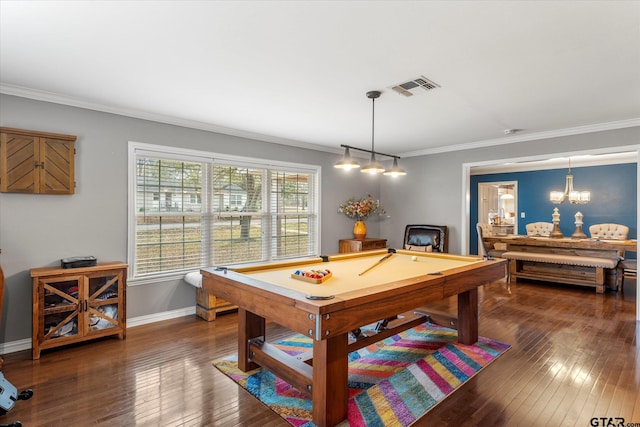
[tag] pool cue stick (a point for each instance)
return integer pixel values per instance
(377, 263)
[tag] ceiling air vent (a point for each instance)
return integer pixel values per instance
(415, 86)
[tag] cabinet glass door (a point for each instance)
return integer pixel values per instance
(102, 301)
(62, 307)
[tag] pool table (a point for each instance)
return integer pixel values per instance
(368, 287)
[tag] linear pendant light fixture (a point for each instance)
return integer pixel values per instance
(373, 167)
(574, 196)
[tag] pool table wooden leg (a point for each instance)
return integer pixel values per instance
(249, 326)
(330, 380)
(468, 317)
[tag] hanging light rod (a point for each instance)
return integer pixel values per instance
(373, 167)
(369, 151)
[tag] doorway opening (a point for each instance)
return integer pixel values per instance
(498, 205)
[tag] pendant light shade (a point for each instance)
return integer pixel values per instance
(373, 167)
(347, 163)
(395, 169)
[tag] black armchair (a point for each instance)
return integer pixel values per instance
(420, 237)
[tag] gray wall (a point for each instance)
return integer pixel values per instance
(38, 230)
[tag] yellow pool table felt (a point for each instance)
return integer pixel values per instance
(346, 271)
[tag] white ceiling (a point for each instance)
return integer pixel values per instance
(296, 72)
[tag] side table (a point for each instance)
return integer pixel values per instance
(354, 245)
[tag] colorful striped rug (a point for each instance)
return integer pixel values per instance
(392, 383)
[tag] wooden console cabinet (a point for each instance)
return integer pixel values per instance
(36, 162)
(354, 245)
(71, 305)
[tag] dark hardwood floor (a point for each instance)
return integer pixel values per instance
(575, 356)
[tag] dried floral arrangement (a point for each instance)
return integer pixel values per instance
(361, 209)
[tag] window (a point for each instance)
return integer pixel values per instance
(235, 200)
(192, 209)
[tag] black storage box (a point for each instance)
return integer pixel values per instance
(78, 261)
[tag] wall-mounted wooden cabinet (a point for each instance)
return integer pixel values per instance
(36, 162)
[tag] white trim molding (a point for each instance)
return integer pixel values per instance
(74, 102)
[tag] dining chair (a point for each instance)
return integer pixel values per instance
(488, 251)
(609, 231)
(539, 228)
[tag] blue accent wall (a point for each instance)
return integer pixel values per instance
(614, 190)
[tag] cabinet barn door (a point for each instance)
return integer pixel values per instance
(18, 169)
(57, 168)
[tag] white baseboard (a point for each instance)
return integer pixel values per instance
(13, 346)
(158, 317)
(25, 344)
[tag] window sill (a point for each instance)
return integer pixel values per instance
(157, 278)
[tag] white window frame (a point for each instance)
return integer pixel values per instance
(136, 149)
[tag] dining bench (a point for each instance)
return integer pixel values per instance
(562, 265)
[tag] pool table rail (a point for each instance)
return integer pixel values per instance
(348, 310)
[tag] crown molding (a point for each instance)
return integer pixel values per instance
(585, 158)
(160, 118)
(620, 124)
(192, 124)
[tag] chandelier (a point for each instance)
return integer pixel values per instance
(574, 196)
(373, 167)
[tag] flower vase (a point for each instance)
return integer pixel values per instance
(360, 230)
